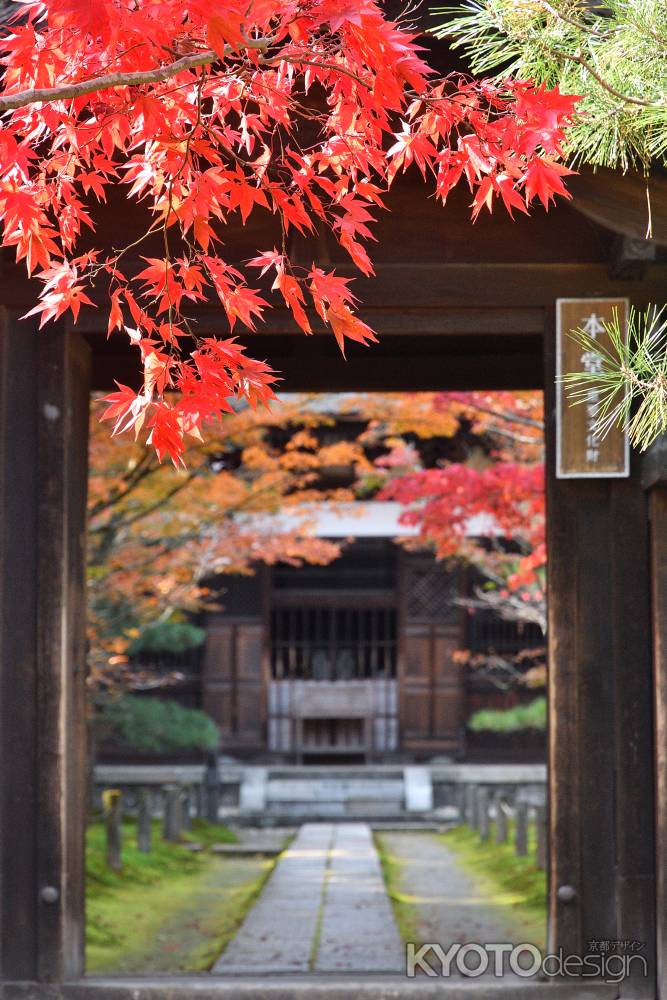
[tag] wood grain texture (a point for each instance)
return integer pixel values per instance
(630, 614)
(44, 430)
(18, 654)
(565, 805)
(62, 439)
(658, 504)
(600, 715)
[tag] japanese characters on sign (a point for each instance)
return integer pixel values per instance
(581, 452)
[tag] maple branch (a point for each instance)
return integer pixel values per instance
(160, 502)
(510, 418)
(296, 61)
(131, 481)
(48, 95)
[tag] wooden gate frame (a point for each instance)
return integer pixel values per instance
(601, 746)
(601, 718)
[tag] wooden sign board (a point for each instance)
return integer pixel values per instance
(581, 453)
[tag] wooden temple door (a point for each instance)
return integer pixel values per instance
(431, 688)
(233, 676)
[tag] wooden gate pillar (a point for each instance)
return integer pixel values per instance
(655, 481)
(601, 715)
(44, 389)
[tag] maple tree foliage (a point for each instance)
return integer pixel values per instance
(206, 112)
(501, 492)
(487, 510)
(158, 537)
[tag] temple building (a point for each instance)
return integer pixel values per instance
(354, 661)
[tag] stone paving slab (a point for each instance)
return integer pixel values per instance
(276, 935)
(358, 931)
(325, 905)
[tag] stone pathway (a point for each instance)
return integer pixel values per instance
(450, 906)
(324, 909)
(358, 931)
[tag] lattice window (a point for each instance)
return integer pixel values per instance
(332, 643)
(489, 634)
(431, 592)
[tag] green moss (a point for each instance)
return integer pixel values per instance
(207, 834)
(168, 911)
(405, 912)
(514, 883)
(138, 868)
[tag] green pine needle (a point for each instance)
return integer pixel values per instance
(614, 54)
(632, 383)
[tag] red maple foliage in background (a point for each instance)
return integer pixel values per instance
(503, 495)
(208, 111)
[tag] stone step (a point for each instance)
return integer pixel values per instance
(346, 772)
(397, 820)
(293, 811)
(292, 794)
(332, 790)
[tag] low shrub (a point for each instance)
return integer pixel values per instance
(167, 637)
(153, 725)
(533, 715)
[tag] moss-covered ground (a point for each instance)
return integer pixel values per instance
(168, 911)
(514, 882)
(455, 887)
(402, 904)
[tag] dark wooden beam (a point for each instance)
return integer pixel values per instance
(591, 571)
(654, 464)
(18, 554)
(626, 203)
(399, 363)
(435, 321)
(456, 326)
(472, 289)
(632, 257)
